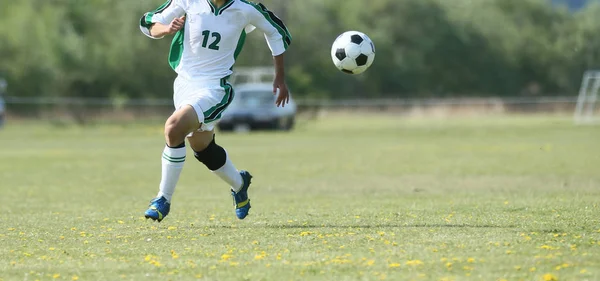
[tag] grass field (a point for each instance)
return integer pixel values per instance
(345, 197)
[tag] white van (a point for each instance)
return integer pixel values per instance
(253, 107)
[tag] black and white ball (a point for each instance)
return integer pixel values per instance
(353, 52)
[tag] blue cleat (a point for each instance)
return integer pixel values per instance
(240, 199)
(158, 209)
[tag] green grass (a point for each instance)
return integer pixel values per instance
(345, 197)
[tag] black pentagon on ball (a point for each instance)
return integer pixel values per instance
(362, 60)
(356, 39)
(340, 53)
(347, 71)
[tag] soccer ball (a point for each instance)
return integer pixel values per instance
(353, 52)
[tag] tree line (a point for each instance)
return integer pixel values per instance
(425, 48)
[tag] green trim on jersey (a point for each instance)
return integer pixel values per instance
(274, 20)
(215, 112)
(176, 50)
(146, 20)
(240, 45)
(217, 11)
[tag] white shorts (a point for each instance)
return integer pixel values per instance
(209, 99)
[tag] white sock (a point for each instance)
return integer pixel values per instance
(230, 175)
(172, 164)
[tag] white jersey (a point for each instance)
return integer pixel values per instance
(212, 38)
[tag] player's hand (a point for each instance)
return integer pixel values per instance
(176, 25)
(284, 94)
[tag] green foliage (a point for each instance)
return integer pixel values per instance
(424, 48)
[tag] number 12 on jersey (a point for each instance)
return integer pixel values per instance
(215, 44)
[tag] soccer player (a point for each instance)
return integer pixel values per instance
(209, 35)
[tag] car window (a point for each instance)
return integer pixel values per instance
(253, 99)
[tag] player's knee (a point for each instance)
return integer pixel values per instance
(174, 134)
(213, 156)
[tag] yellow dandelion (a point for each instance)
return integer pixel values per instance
(549, 277)
(260, 256)
(370, 262)
(199, 275)
(120, 222)
(56, 276)
(392, 265)
(533, 269)
(174, 255)
(226, 257)
(470, 260)
(414, 262)
(583, 271)
(75, 277)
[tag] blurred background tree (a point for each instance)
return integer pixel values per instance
(424, 48)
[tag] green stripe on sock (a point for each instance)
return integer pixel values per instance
(173, 159)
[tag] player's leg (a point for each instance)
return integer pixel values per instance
(178, 125)
(215, 158)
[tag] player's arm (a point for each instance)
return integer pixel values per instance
(279, 82)
(166, 19)
(278, 39)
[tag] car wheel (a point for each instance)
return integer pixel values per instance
(290, 123)
(224, 128)
(285, 123)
